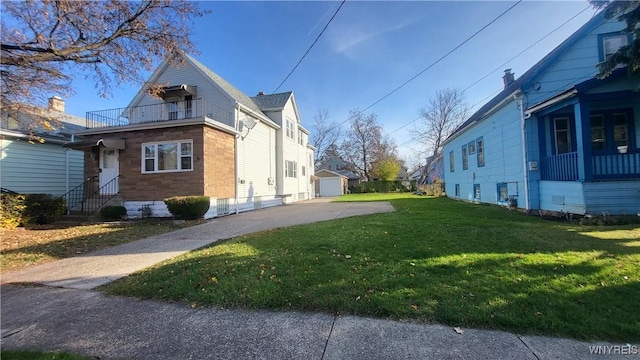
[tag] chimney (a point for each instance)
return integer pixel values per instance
(56, 104)
(508, 78)
(261, 93)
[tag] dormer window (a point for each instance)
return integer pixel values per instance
(610, 43)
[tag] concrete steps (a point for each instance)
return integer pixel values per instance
(92, 208)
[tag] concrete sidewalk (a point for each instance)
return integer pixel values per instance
(100, 267)
(88, 323)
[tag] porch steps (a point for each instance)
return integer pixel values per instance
(95, 203)
(92, 208)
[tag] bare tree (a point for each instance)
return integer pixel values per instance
(438, 119)
(364, 144)
(46, 42)
(325, 136)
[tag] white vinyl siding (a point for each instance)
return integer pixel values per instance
(187, 74)
(257, 163)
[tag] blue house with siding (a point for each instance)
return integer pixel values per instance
(557, 138)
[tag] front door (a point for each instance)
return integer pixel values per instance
(109, 170)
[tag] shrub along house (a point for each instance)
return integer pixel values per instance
(557, 138)
(201, 136)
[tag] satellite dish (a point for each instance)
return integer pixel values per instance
(249, 123)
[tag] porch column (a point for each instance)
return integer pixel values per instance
(583, 141)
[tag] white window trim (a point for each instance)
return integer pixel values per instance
(155, 158)
(625, 41)
(290, 130)
(567, 130)
(294, 169)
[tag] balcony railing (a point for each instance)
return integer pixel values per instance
(167, 111)
(564, 167)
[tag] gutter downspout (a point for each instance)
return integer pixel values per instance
(66, 172)
(235, 155)
(519, 98)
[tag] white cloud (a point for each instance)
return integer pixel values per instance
(345, 39)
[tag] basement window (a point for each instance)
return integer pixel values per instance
(503, 193)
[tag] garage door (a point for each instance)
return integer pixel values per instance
(330, 187)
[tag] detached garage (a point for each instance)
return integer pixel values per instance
(330, 183)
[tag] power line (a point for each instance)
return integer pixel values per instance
(440, 59)
(501, 66)
(310, 47)
(529, 47)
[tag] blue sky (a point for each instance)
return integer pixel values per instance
(368, 50)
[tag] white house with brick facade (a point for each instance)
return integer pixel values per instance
(200, 136)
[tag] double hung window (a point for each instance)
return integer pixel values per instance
(167, 156)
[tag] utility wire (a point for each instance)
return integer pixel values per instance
(501, 66)
(529, 47)
(310, 47)
(437, 61)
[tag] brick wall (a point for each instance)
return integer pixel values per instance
(212, 175)
(219, 165)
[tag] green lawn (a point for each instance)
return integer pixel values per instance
(433, 260)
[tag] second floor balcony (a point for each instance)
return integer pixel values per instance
(165, 111)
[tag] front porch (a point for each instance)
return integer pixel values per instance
(587, 148)
(565, 167)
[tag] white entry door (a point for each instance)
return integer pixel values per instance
(109, 170)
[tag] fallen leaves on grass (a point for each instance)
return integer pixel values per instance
(23, 247)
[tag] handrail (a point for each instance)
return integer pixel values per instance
(78, 194)
(87, 197)
(96, 199)
(162, 111)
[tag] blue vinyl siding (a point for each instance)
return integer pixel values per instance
(502, 147)
(562, 196)
(39, 168)
(613, 197)
(610, 197)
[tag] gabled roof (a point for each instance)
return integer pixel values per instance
(231, 90)
(272, 101)
(329, 172)
(32, 119)
(347, 173)
(531, 75)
